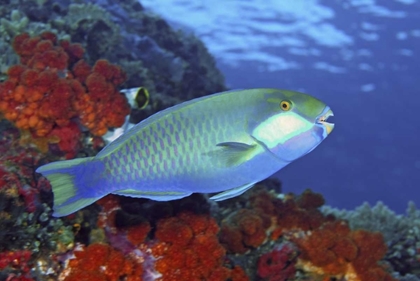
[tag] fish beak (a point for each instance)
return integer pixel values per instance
(323, 120)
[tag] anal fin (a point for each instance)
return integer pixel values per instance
(153, 195)
(230, 193)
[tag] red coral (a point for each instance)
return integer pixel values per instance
(327, 246)
(277, 265)
(81, 70)
(138, 233)
(16, 259)
(189, 250)
(53, 85)
(17, 166)
(75, 51)
(101, 262)
(243, 230)
(182, 247)
(339, 252)
(371, 248)
(174, 231)
(50, 36)
(98, 87)
(69, 138)
(267, 214)
(309, 200)
(112, 73)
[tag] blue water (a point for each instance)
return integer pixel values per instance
(361, 57)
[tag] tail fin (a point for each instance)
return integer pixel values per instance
(72, 182)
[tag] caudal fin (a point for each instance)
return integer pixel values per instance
(72, 182)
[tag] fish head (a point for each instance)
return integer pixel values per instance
(290, 124)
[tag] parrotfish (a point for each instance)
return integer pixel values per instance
(222, 143)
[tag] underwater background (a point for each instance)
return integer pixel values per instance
(75, 74)
(360, 57)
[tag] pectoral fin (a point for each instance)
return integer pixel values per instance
(232, 192)
(231, 154)
(154, 195)
(240, 146)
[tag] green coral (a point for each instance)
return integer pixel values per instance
(36, 232)
(17, 24)
(14, 24)
(138, 75)
(92, 26)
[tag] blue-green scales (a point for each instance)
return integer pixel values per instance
(224, 142)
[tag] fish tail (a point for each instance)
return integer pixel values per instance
(75, 183)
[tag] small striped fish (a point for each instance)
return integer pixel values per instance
(223, 143)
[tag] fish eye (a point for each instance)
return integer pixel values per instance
(286, 105)
(142, 98)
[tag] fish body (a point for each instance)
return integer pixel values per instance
(224, 142)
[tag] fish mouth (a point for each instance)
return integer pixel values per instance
(323, 120)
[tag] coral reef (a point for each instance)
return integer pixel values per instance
(183, 246)
(53, 85)
(100, 262)
(63, 97)
(269, 217)
(243, 230)
(92, 24)
(154, 55)
(18, 260)
(27, 231)
(193, 253)
(333, 250)
(326, 247)
(401, 232)
(279, 264)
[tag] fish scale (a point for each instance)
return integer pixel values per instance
(224, 143)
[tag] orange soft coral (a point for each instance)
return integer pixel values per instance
(333, 250)
(327, 246)
(69, 138)
(103, 263)
(184, 246)
(242, 231)
(53, 85)
(269, 216)
(291, 213)
(189, 249)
